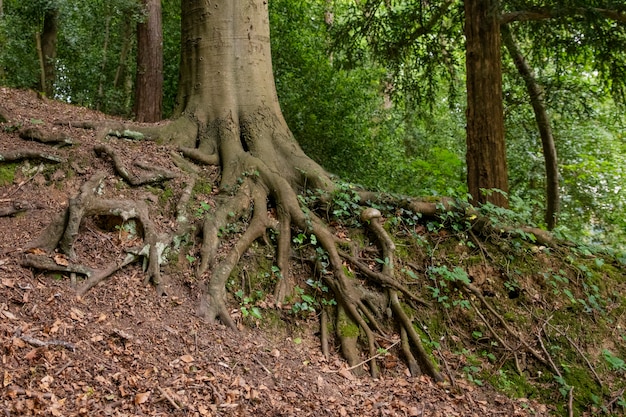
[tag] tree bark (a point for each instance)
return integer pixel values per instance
(227, 89)
(47, 43)
(149, 84)
(535, 92)
(486, 151)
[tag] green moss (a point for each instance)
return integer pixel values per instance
(203, 187)
(346, 327)
(513, 384)
(586, 390)
(7, 173)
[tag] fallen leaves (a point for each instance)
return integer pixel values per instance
(142, 397)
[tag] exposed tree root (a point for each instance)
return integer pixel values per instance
(148, 174)
(94, 276)
(260, 193)
(21, 154)
(50, 138)
(64, 230)
(15, 207)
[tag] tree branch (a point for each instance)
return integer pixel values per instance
(546, 14)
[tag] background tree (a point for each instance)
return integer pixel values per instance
(47, 49)
(486, 153)
(417, 51)
(149, 84)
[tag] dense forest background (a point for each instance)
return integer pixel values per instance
(392, 121)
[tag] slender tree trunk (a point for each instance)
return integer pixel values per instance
(149, 84)
(47, 48)
(535, 92)
(127, 45)
(486, 151)
(105, 51)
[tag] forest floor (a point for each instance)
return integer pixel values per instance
(122, 350)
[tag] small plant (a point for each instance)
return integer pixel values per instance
(471, 372)
(306, 305)
(203, 209)
(247, 304)
(457, 274)
(615, 363)
(444, 280)
(345, 201)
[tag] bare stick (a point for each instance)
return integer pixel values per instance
(41, 343)
(262, 366)
(169, 398)
(372, 358)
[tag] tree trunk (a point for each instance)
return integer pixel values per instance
(486, 151)
(535, 93)
(48, 51)
(127, 46)
(149, 85)
(227, 85)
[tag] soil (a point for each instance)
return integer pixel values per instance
(123, 350)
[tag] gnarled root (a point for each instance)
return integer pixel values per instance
(64, 229)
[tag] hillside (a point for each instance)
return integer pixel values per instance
(125, 349)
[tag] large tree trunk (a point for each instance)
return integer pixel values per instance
(535, 94)
(227, 108)
(486, 152)
(227, 88)
(149, 85)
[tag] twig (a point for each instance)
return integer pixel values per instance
(29, 393)
(41, 343)
(570, 402)
(24, 182)
(543, 347)
(63, 368)
(372, 358)
(617, 397)
(478, 294)
(445, 363)
(547, 322)
(169, 399)
(324, 333)
(263, 366)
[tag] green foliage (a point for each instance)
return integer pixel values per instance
(339, 115)
(93, 36)
(445, 285)
(615, 363)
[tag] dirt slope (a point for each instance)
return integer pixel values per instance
(124, 351)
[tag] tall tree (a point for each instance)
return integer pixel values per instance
(420, 43)
(486, 152)
(228, 115)
(537, 100)
(149, 84)
(47, 49)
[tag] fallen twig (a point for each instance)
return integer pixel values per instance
(263, 366)
(369, 359)
(169, 398)
(615, 399)
(42, 343)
